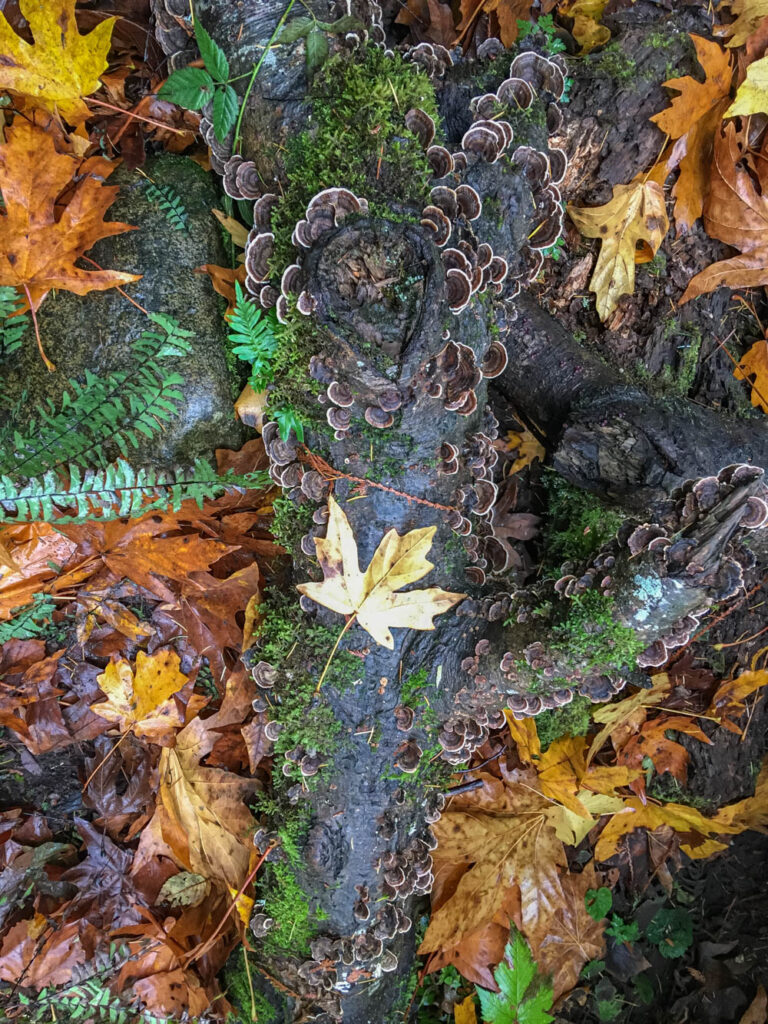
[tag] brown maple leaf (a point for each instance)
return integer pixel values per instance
(40, 243)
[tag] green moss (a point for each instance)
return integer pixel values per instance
(290, 522)
(680, 379)
(357, 138)
(592, 636)
(411, 690)
(615, 63)
(572, 720)
(665, 787)
(578, 523)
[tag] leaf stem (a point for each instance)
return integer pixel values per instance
(323, 674)
(257, 67)
(50, 367)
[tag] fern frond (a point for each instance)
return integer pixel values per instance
(120, 408)
(168, 200)
(114, 492)
(253, 338)
(13, 325)
(29, 620)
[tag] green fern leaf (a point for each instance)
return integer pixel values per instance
(168, 200)
(13, 324)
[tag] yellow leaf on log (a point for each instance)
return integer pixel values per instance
(636, 214)
(371, 596)
(62, 66)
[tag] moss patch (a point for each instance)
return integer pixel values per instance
(592, 636)
(578, 523)
(572, 720)
(358, 139)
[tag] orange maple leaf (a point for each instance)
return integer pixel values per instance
(754, 364)
(39, 243)
(691, 119)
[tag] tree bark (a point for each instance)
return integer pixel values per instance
(410, 445)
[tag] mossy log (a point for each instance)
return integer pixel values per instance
(396, 229)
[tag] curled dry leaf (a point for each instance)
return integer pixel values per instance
(636, 214)
(62, 66)
(371, 596)
(736, 212)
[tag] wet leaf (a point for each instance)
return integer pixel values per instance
(372, 596)
(142, 702)
(40, 247)
(692, 118)
(586, 28)
(184, 890)
(636, 214)
(526, 447)
(61, 66)
(749, 813)
(697, 831)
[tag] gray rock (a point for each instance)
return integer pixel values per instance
(95, 331)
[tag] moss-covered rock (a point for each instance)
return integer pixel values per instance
(95, 332)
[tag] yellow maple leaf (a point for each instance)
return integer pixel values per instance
(752, 94)
(370, 597)
(754, 364)
(697, 831)
(635, 215)
(142, 702)
(464, 1012)
(527, 447)
(748, 15)
(62, 66)
(750, 813)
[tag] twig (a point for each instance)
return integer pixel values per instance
(125, 295)
(136, 117)
(329, 473)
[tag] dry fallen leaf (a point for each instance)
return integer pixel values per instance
(753, 367)
(636, 214)
(39, 247)
(748, 15)
(697, 831)
(371, 596)
(757, 1011)
(692, 118)
(527, 448)
(502, 835)
(752, 94)
(736, 212)
(749, 813)
(62, 66)
(143, 702)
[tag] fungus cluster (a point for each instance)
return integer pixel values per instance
(433, 58)
(462, 734)
(173, 32)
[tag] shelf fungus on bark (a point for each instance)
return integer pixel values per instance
(432, 57)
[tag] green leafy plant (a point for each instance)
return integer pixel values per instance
(598, 902)
(13, 324)
(313, 32)
(608, 1002)
(523, 995)
(168, 200)
(194, 88)
(672, 931)
(253, 336)
(545, 25)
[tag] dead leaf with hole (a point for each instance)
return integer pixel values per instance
(631, 227)
(61, 66)
(142, 702)
(371, 597)
(692, 119)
